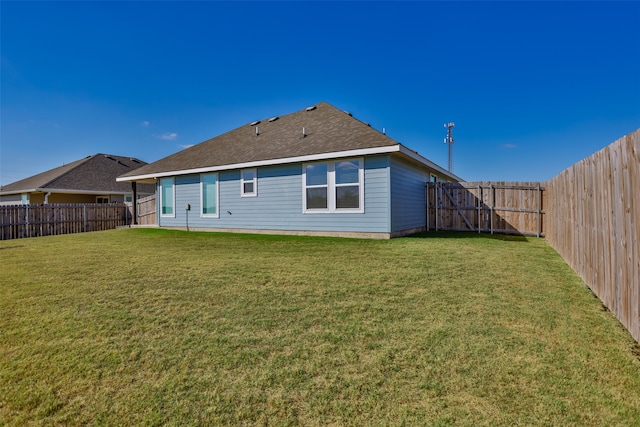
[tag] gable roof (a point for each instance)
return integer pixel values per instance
(93, 174)
(317, 132)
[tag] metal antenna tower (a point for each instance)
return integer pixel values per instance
(449, 140)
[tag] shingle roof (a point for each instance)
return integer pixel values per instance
(327, 129)
(316, 130)
(91, 174)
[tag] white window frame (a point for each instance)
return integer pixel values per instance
(254, 193)
(209, 215)
(98, 198)
(306, 186)
(173, 190)
(331, 187)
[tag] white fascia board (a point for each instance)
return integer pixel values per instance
(9, 193)
(299, 159)
(62, 191)
(417, 157)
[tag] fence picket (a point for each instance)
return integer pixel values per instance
(593, 221)
(501, 207)
(19, 221)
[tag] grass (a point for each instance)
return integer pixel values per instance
(158, 327)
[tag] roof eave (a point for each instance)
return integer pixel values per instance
(417, 157)
(63, 191)
(298, 159)
(397, 148)
(22, 191)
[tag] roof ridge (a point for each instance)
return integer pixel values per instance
(324, 129)
(272, 119)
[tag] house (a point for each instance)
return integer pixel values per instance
(89, 180)
(318, 171)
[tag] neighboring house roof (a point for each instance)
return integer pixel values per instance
(92, 175)
(318, 132)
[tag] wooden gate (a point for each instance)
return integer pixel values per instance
(147, 210)
(494, 207)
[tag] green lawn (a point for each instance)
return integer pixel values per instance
(158, 327)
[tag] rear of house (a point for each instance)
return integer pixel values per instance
(318, 171)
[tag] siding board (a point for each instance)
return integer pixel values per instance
(407, 195)
(278, 205)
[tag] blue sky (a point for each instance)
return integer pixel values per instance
(532, 87)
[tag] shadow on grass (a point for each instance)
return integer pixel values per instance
(469, 235)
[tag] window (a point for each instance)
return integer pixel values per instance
(348, 184)
(102, 199)
(166, 197)
(434, 178)
(209, 194)
(317, 186)
(248, 183)
(333, 186)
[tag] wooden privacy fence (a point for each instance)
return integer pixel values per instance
(147, 210)
(494, 207)
(20, 221)
(593, 221)
(589, 213)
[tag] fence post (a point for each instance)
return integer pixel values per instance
(26, 222)
(491, 200)
(539, 211)
(84, 218)
(479, 199)
(435, 196)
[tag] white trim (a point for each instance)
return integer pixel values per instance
(173, 207)
(397, 148)
(22, 191)
(331, 188)
(299, 159)
(360, 186)
(305, 187)
(254, 193)
(217, 214)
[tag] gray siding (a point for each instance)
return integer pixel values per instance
(278, 205)
(408, 205)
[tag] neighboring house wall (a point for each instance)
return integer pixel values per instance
(12, 199)
(69, 198)
(279, 202)
(38, 198)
